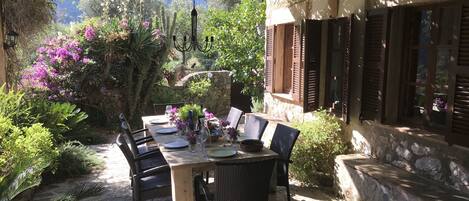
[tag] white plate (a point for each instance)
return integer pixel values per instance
(159, 121)
(221, 152)
(176, 144)
(166, 131)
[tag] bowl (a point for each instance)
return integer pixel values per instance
(251, 145)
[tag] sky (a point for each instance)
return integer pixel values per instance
(67, 10)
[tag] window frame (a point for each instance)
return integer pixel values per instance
(433, 46)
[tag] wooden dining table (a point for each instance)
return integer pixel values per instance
(184, 162)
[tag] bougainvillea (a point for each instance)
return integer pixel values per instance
(100, 62)
(58, 62)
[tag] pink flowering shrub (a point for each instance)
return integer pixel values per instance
(59, 62)
(100, 62)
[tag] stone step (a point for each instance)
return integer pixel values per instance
(361, 178)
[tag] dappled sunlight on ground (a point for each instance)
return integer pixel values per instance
(114, 177)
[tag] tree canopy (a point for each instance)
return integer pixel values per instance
(240, 43)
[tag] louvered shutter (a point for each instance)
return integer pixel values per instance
(269, 59)
(459, 95)
(374, 64)
(297, 67)
(347, 33)
(312, 64)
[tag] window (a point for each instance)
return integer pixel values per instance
(428, 54)
(292, 60)
(336, 97)
(281, 44)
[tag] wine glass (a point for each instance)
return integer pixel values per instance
(168, 110)
(203, 136)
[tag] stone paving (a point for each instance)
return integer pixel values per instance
(114, 178)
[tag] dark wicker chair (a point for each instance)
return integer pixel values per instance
(282, 143)
(146, 184)
(234, 117)
(125, 125)
(151, 159)
(255, 127)
(160, 109)
(241, 181)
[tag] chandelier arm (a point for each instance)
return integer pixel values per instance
(207, 46)
(183, 47)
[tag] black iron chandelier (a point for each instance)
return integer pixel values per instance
(193, 44)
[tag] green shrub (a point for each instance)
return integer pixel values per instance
(199, 87)
(165, 94)
(13, 106)
(257, 105)
(63, 119)
(184, 111)
(24, 154)
(76, 159)
(319, 143)
(81, 191)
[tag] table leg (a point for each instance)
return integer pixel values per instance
(181, 184)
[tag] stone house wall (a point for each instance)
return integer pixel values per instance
(416, 151)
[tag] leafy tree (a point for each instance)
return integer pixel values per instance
(144, 9)
(239, 46)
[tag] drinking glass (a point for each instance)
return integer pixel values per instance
(168, 110)
(203, 136)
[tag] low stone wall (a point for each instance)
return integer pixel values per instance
(425, 154)
(360, 178)
(217, 99)
(282, 109)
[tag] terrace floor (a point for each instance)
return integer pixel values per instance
(115, 180)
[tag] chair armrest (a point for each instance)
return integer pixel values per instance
(153, 171)
(144, 140)
(148, 154)
(139, 131)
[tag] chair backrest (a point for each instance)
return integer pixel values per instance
(122, 143)
(234, 116)
(283, 140)
(159, 109)
(255, 127)
(122, 119)
(130, 139)
(244, 181)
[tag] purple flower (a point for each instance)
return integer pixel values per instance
(233, 133)
(62, 53)
(89, 33)
(156, 33)
(124, 24)
(41, 50)
(75, 57)
(146, 24)
(209, 115)
(224, 123)
(180, 125)
(191, 137)
(86, 60)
